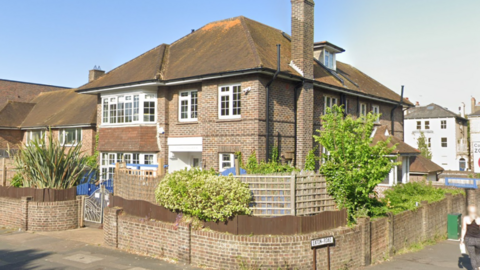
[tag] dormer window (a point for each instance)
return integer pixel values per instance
(325, 52)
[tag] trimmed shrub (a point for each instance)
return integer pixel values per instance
(204, 194)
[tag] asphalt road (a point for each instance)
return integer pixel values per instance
(445, 255)
(76, 249)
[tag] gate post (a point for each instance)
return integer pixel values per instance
(81, 210)
(293, 195)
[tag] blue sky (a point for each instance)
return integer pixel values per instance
(430, 46)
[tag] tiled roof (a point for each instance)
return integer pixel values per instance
(23, 91)
(421, 164)
(61, 108)
(236, 44)
(430, 111)
(381, 134)
(14, 113)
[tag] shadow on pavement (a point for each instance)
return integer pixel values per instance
(20, 260)
(464, 262)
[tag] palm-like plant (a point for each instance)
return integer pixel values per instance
(46, 163)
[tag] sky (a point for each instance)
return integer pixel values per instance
(432, 47)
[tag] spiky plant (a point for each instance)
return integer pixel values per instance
(45, 163)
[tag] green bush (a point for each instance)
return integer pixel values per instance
(203, 194)
(45, 163)
(311, 160)
(404, 197)
(16, 181)
(274, 166)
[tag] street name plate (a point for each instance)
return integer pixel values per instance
(324, 241)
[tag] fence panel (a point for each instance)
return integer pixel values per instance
(311, 195)
(39, 195)
(135, 184)
(7, 171)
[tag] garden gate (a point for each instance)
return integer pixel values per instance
(95, 204)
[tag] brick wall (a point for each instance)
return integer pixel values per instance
(368, 242)
(128, 139)
(39, 216)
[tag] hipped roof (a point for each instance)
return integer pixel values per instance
(51, 109)
(236, 44)
(421, 164)
(432, 110)
(402, 148)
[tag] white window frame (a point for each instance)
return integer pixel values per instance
(228, 94)
(112, 101)
(363, 109)
(62, 134)
(220, 161)
(329, 99)
(189, 100)
(427, 125)
(106, 167)
(429, 143)
(329, 59)
(376, 110)
(30, 133)
(443, 124)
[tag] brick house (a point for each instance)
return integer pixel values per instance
(70, 116)
(227, 87)
(23, 91)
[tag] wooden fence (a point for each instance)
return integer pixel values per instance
(134, 184)
(39, 195)
(293, 194)
(241, 225)
(7, 171)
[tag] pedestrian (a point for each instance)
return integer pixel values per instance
(471, 236)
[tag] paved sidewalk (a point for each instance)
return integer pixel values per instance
(74, 249)
(445, 255)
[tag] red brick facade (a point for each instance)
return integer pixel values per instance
(40, 216)
(366, 243)
(128, 139)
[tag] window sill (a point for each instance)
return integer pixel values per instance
(186, 122)
(229, 120)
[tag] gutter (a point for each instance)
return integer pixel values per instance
(267, 114)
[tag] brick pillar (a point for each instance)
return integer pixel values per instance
(24, 220)
(449, 202)
(424, 205)
(389, 233)
(110, 225)
(364, 224)
(183, 243)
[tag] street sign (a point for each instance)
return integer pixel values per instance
(324, 241)
(476, 156)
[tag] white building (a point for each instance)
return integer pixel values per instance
(474, 119)
(445, 133)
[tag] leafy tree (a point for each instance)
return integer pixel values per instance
(354, 165)
(311, 159)
(423, 147)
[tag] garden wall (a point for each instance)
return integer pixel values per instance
(26, 213)
(369, 241)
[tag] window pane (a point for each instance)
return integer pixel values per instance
(136, 106)
(184, 109)
(120, 109)
(105, 111)
(224, 89)
(128, 109)
(70, 136)
(127, 158)
(225, 105)
(149, 111)
(104, 159)
(194, 105)
(148, 159)
(226, 161)
(119, 157)
(113, 113)
(135, 159)
(237, 100)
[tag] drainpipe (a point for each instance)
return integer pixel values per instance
(295, 106)
(392, 113)
(267, 129)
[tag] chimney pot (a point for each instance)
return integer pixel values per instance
(417, 103)
(95, 73)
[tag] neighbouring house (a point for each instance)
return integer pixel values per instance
(23, 91)
(422, 168)
(474, 118)
(70, 116)
(446, 134)
(227, 87)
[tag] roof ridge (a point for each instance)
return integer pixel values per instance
(251, 42)
(56, 86)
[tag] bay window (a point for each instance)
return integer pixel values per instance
(129, 108)
(70, 136)
(230, 104)
(108, 161)
(188, 106)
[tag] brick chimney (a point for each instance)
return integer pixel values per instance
(473, 104)
(95, 73)
(417, 103)
(302, 62)
(302, 36)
